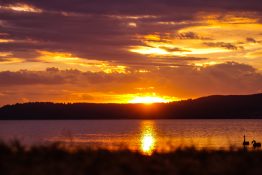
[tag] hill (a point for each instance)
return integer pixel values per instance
(211, 107)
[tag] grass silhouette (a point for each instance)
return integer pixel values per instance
(15, 159)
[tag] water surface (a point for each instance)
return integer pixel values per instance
(141, 135)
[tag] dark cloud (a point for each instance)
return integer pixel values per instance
(140, 7)
(176, 49)
(251, 40)
(191, 35)
(3, 59)
(228, 46)
(27, 77)
(99, 29)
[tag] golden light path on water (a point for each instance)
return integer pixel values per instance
(144, 141)
(148, 139)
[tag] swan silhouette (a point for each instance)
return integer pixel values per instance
(245, 143)
(256, 144)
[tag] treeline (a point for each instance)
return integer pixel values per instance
(212, 107)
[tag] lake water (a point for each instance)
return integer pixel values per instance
(141, 135)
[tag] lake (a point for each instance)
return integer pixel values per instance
(140, 135)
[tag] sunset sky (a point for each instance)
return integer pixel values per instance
(123, 50)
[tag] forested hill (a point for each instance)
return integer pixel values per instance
(211, 107)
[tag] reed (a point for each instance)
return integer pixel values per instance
(15, 159)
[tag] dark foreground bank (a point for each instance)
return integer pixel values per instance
(54, 160)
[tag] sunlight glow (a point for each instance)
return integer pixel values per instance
(149, 100)
(132, 24)
(205, 64)
(144, 50)
(21, 7)
(5, 40)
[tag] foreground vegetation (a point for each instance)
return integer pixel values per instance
(56, 160)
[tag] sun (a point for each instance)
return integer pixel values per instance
(148, 100)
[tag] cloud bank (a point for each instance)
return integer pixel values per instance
(107, 51)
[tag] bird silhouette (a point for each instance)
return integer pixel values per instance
(256, 144)
(245, 143)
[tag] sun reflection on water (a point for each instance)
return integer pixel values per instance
(148, 138)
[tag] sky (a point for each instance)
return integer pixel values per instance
(119, 51)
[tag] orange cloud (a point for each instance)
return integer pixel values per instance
(64, 58)
(21, 7)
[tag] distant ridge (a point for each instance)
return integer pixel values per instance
(210, 107)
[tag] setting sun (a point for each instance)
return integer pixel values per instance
(149, 100)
